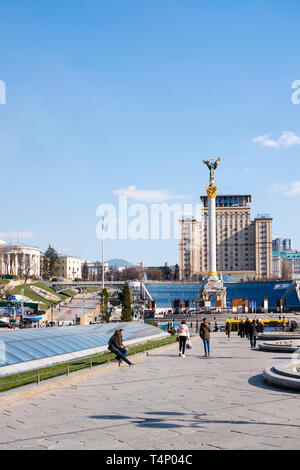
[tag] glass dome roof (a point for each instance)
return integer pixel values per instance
(32, 344)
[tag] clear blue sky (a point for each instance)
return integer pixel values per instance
(103, 95)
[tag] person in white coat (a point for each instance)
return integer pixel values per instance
(183, 334)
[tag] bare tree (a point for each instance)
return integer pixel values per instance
(26, 272)
(130, 273)
(155, 274)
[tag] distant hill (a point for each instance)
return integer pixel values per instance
(118, 263)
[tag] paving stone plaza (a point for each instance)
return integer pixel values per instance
(164, 403)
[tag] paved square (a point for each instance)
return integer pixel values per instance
(165, 402)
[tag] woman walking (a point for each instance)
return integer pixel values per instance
(183, 335)
(116, 346)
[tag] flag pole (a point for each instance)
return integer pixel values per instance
(102, 253)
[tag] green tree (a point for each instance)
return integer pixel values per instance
(50, 263)
(85, 271)
(166, 272)
(126, 303)
(176, 273)
(104, 306)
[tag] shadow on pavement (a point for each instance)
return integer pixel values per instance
(189, 420)
(148, 423)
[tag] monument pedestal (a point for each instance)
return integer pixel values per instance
(213, 286)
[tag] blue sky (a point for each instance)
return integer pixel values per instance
(106, 95)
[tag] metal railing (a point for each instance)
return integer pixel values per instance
(65, 368)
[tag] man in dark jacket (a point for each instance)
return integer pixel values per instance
(247, 327)
(253, 332)
(205, 336)
(228, 328)
(242, 329)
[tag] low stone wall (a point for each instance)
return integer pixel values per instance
(287, 376)
(288, 346)
(278, 335)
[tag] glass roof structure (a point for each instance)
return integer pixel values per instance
(165, 293)
(35, 344)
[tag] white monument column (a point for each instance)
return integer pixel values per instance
(8, 264)
(37, 265)
(32, 270)
(31, 265)
(23, 264)
(16, 264)
(212, 254)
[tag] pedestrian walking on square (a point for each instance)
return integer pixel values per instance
(115, 345)
(204, 333)
(247, 327)
(242, 329)
(228, 328)
(183, 335)
(253, 332)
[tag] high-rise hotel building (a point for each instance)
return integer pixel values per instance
(244, 247)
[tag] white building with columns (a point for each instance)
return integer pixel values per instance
(20, 260)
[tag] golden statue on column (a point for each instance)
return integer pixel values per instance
(213, 285)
